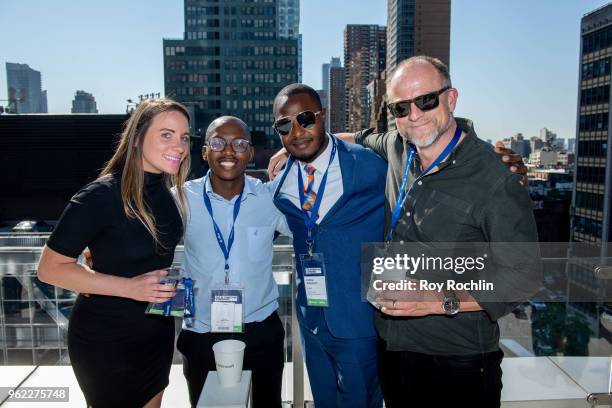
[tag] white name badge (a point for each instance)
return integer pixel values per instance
(227, 309)
(313, 271)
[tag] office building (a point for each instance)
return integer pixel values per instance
(84, 102)
(234, 58)
(593, 181)
(591, 225)
(364, 60)
(24, 87)
(417, 27)
(336, 120)
(571, 144)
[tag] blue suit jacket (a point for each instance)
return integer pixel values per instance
(357, 217)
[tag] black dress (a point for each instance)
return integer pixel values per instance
(121, 357)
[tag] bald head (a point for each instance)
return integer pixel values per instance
(418, 68)
(231, 122)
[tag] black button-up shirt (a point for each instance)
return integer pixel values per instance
(470, 197)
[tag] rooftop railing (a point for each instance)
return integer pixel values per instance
(558, 351)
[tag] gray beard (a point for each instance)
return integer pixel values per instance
(433, 136)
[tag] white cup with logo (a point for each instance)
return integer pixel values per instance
(228, 359)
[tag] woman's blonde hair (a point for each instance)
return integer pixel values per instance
(127, 161)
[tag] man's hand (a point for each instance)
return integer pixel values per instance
(277, 163)
(411, 309)
(513, 161)
(413, 303)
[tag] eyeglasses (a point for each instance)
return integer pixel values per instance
(218, 144)
(425, 103)
(306, 120)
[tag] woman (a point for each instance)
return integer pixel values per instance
(131, 223)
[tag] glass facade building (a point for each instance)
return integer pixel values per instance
(24, 84)
(84, 102)
(591, 199)
(234, 57)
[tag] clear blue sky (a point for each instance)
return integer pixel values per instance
(515, 63)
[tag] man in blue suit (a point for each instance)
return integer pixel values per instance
(332, 195)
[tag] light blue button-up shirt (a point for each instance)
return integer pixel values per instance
(250, 259)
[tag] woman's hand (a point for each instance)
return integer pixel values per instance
(146, 287)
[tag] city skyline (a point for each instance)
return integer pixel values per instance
(498, 85)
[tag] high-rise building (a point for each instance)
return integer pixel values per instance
(417, 27)
(335, 62)
(299, 58)
(536, 144)
(551, 140)
(234, 58)
(323, 97)
(591, 200)
(571, 144)
(591, 223)
(518, 144)
(24, 87)
(364, 60)
(288, 18)
(84, 102)
(336, 100)
(378, 105)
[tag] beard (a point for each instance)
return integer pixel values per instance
(433, 136)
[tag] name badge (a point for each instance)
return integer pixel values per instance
(313, 270)
(227, 309)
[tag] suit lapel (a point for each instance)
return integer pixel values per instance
(347, 163)
(284, 204)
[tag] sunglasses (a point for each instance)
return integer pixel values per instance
(425, 103)
(218, 144)
(306, 120)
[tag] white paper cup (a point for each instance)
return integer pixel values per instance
(228, 359)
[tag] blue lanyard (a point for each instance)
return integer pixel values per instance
(230, 241)
(310, 220)
(403, 193)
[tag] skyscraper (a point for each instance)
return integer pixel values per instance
(591, 224)
(417, 27)
(25, 86)
(84, 102)
(234, 57)
(591, 221)
(288, 18)
(335, 63)
(364, 60)
(336, 121)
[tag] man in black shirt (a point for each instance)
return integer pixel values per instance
(451, 343)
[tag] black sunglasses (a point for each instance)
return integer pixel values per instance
(218, 144)
(306, 120)
(425, 103)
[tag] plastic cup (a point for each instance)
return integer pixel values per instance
(228, 359)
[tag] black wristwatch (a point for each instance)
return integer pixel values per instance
(450, 303)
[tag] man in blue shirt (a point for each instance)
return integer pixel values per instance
(246, 220)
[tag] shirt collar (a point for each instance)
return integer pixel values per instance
(321, 162)
(249, 187)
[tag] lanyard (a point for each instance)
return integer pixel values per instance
(403, 193)
(230, 241)
(310, 221)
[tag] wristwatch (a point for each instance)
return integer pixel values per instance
(450, 303)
